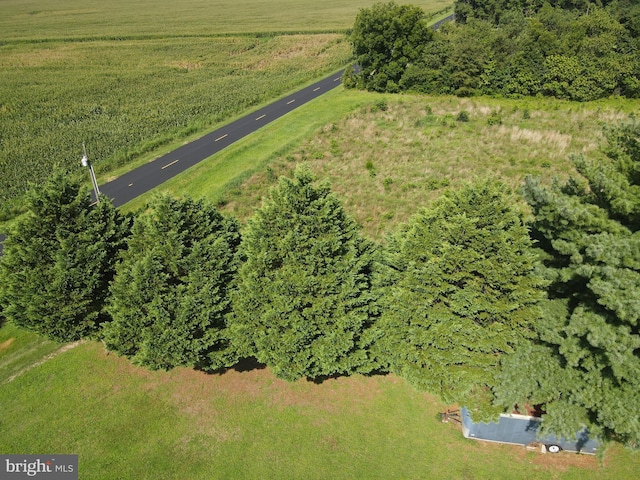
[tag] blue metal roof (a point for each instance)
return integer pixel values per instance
(522, 430)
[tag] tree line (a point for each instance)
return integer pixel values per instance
(569, 49)
(465, 300)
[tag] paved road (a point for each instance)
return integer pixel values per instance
(152, 174)
(142, 179)
(148, 176)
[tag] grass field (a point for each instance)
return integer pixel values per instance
(128, 423)
(128, 98)
(20, 350)
(388, 155)
(385, 164)
(43, 19)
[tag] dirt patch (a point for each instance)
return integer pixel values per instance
(6, 343)
(193, 392)
(564, 460)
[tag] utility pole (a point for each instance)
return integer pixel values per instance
(85, 163)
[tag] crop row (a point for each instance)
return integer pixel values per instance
(126, 98)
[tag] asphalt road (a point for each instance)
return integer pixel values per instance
(148, 176)
(152, 174)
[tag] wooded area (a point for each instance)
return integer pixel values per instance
(465, 300)
(575, 50)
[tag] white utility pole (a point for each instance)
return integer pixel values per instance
(85, 163)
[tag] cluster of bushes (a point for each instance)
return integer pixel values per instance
(572, 50)
(457, 301)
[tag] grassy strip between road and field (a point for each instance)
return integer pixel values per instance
(226, 170)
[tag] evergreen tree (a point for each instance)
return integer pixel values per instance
(463, 292)
(304, 304)
(58, 260)
(386, 39)
(584, 365)
(170, 296)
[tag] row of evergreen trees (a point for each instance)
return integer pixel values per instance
(299, 288)
(577, 50)
(458, 301)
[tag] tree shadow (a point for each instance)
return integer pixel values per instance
(248, 365)
(320, 380)
(243, 365)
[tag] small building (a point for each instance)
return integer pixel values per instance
(523, 430)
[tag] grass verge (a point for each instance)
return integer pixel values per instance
(219, 177)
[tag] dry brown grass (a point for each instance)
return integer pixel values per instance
(6, 343)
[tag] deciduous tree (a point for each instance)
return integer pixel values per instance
(386, 39)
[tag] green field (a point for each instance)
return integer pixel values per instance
(125, 422)
(21, 350)
(127, 78)
(129, 97)
(42, 19)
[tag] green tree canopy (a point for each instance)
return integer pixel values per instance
(386, 39)
(576, 50)
(304, 304)
(463, 293)
(556, 52)
(58, 260)
(495, 10)
(584, 365)
(170, 296)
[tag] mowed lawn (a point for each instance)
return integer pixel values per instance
(125, 422)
